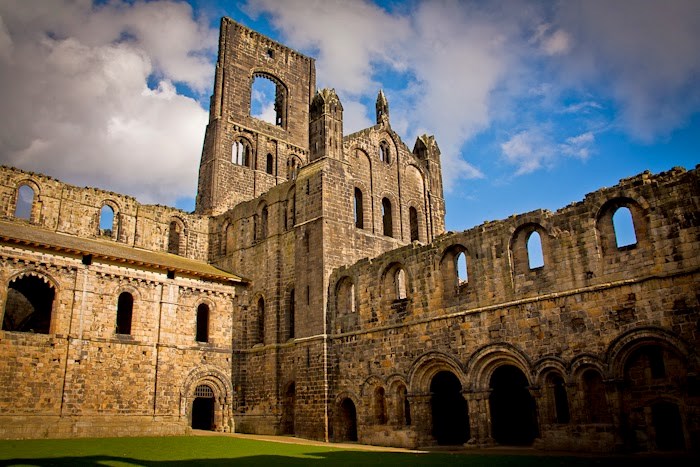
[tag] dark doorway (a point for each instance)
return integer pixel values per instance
(348, 421)
(203, 408)
(28, 306)
(288, 410)
(512, 408)
(449, 409)
(668, 427)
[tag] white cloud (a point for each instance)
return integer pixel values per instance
(536, 148)
(76, 103)
(528, 150)
(643, 54)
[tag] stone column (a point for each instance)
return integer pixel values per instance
(540, 407)
(613, 394)
(479, 418)
(422, 418)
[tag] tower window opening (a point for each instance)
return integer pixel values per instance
(386, 218)
(268, 99)
(413, 223)
(241, 152)
(270, 166)
(359, 214)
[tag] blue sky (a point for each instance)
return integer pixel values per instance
(533, 104)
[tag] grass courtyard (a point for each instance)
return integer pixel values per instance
(226, 450)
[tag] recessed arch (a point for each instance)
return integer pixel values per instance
(622, 224)
(109, 220)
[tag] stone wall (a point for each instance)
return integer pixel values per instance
(592, 306)
(82, 378)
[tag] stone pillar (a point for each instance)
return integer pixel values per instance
(540, 407)
(613, 394)
(422, 418)
(479, 418)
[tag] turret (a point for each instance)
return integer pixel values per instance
(382, 107)
(326, 126)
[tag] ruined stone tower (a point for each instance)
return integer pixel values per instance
(244, 157)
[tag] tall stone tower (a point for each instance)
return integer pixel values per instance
(244, 156)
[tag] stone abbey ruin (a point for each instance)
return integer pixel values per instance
(314, 291)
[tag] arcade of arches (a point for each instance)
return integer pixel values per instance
(505, 403)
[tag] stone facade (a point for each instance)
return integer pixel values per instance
(314, 291)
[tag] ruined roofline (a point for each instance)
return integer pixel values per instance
(253, 33)
(51, 179)
(633, 182)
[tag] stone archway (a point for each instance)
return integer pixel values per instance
(203, 408)
(347, 423)
(449, 410)
(513, 416)
(205, 402)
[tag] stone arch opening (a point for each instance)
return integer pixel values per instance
(29, 305)
(203, 408)
(668, 426)
(449, 410)
(25, 201)
(268, 98)
(347, 423)
(513, 420)
(288, 405)
(621, 224)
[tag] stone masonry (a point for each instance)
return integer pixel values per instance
(315, 292)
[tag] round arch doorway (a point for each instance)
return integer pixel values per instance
(449, 410)
(513, 420)
(203, 408)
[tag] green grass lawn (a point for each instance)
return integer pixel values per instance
(222, 450)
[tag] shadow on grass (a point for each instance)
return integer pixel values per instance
(364, 458)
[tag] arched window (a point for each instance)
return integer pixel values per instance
(241, 152)
(400, 283)
(260, 334)
(268, 100)
(25, 202)
(384, 153)
(359, 213)
(269, 164)
(386, 217)
(202, 332)
(107, 222)
(623, 225)
(534, 250)
(461, 268)
(28, 305)
(125, 305)
(413, 223)
(174, 231)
